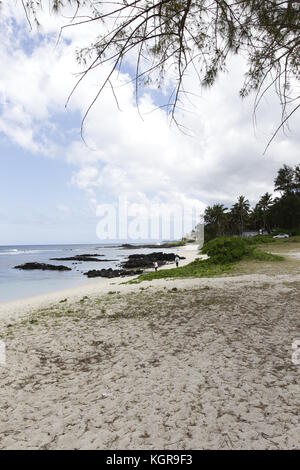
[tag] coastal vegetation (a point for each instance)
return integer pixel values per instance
(272, 216)
(226, 230)
(198, 268)
(224, 253)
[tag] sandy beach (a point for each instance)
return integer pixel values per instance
(150, 227)
(92, 287)
(169, 364)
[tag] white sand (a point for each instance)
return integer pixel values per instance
(178, 364)
(187, 369)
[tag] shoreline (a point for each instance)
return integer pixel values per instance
(94, 287)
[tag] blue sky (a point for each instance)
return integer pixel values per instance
(52, 184)
(38, 205)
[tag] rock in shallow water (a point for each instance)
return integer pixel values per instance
(84, 257)
(42, 266)
(112, 272)
(147, 260)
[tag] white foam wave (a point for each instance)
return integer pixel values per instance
(24, 252)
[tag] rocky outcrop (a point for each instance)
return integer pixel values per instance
(129, 246)
(85, 257)
(147, 260)
(42, 266)
(110, 273)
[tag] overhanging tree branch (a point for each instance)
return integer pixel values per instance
(184, 34)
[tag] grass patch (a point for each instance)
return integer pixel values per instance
(197, 268)
(263, 256)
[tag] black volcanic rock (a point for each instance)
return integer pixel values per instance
(129, 246)
(86, 257)
(42, 266)
(110, 273)
(147, 260)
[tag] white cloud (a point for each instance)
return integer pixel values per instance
(63, 208)
(144, 159)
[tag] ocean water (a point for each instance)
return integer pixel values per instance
(19, 284)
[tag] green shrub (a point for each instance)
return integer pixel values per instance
(290, 232)
(294, 232)
(260, 239)
(225, 250)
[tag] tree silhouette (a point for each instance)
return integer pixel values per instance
(284, 181)
(240, 212)
(264, 204)
(216, 216)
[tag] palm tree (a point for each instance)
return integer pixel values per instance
(284, 180)
(255, 218)
(216, 216)
(264, 204)
(240, 212)
(297, 179)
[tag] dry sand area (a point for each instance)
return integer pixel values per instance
(190, 364)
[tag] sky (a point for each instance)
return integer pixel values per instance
(53, 185)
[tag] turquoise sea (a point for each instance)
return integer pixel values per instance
(17, 284)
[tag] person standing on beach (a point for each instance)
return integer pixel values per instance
(155, 265)
(177, 261)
